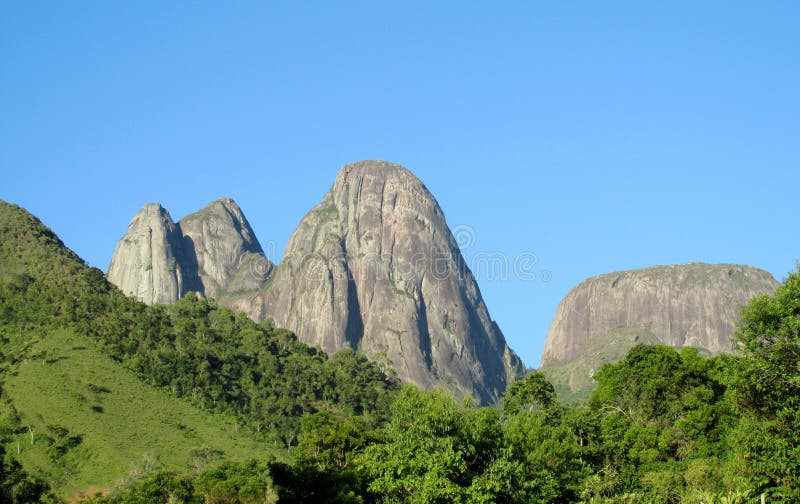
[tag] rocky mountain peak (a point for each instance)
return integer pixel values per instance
(225, 248)
(208, 252)
(147, 261)
(374, 267)
(154, 209)
(353, 173)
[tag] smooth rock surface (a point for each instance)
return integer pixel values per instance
(148, 262)
(693, 305)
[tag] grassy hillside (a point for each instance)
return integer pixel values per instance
(96, 424)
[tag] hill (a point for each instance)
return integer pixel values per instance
(79, 420)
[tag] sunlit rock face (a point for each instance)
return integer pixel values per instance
(148, 261)
(374, 267)
(695, 305)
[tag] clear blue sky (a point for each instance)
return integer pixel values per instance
(598, 136)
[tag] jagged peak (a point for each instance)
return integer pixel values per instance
(226, 204)
(159, 260)
(152, 216)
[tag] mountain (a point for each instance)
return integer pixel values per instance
(70, 411)
(374, 267)
(224, 250)
(149, 261)
(693, 305)
(98, 387)
(158, 261)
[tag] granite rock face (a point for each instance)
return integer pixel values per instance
(148, 262)
(226, 252)
(690, 305)
(694, 305)
(208, 252)
(374, 267)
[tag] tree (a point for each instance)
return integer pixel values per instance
(767, 391)
(17, 486)
(243, 483)
(437, 450)
(660, 409)
(531, 393)
(770, 338)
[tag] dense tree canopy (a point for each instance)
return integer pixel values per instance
(767, 391)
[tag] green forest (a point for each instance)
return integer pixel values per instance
(105, 399)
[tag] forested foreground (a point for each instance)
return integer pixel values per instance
(662, 426)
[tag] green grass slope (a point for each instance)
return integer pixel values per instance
(95, 424)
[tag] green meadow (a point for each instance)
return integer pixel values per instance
(81, 421)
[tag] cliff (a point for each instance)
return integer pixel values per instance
(375, 268)
(693, 305)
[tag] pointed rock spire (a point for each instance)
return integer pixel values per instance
(148, 262)
(226, 251)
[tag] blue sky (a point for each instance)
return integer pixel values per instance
(595, 136)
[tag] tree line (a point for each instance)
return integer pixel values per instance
(663, 426)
